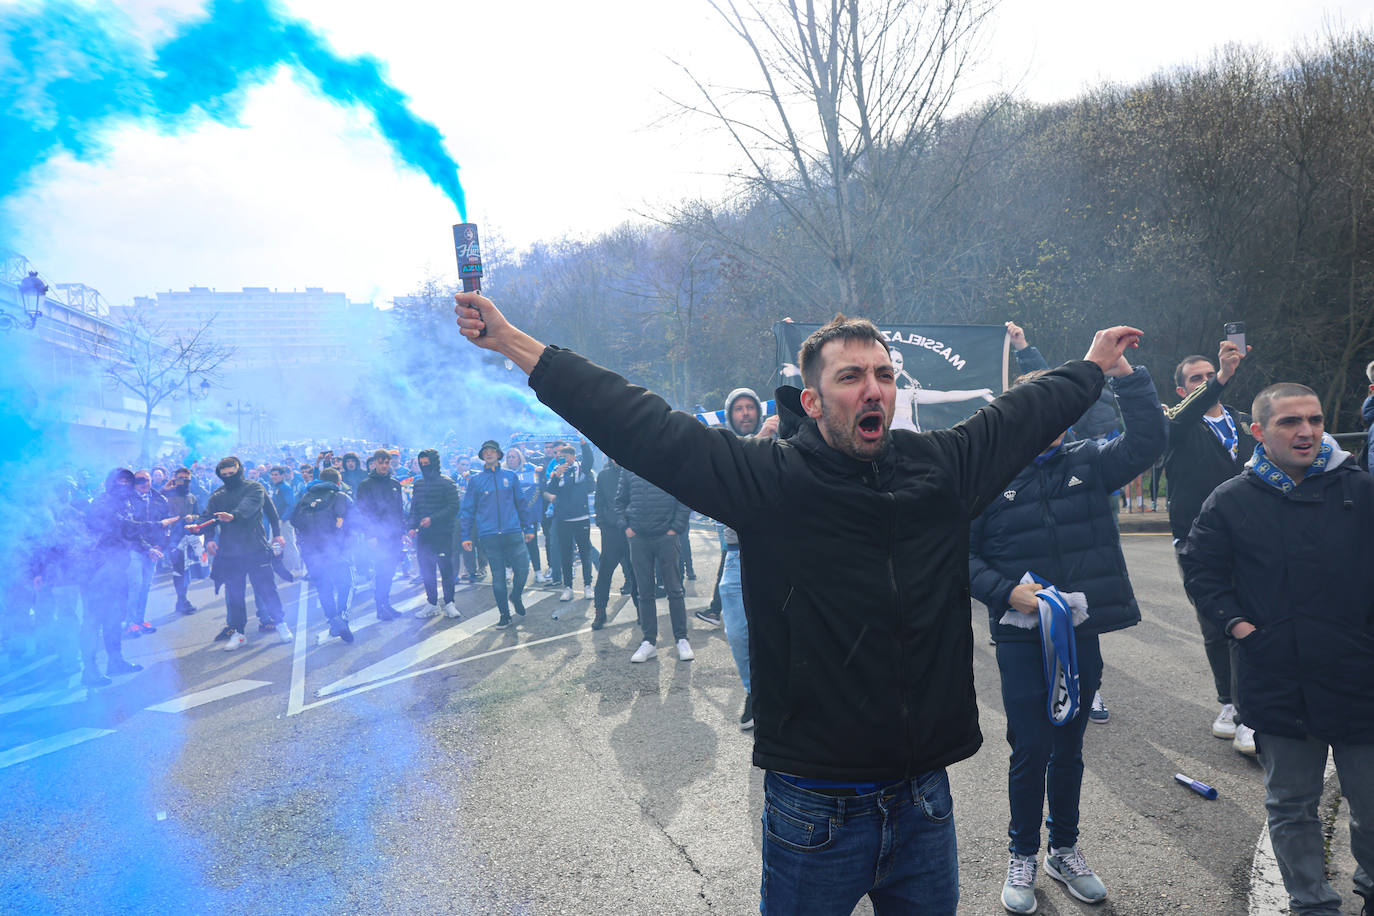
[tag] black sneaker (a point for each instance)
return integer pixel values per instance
(625, 590)
(388, 613)
(225, 634)
(504, 623)
(187, 608)
(93, 678)
(518, 607)
(120, 666)
(339, 627)
(746, 718)
(706, 617)
(599, 620)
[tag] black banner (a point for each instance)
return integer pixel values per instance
(945, 372)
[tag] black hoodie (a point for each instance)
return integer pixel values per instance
(245, 536)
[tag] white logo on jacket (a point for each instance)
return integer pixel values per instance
(1009, 495)
(1074, 481)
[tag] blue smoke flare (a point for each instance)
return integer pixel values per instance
(69, 71)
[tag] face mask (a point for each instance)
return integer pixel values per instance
(428, 470)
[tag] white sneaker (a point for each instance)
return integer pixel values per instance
(1225, 724)
(235, 641)
(645, 652)
(546, 576)
(586, 591)
(427, 610)
(566, 596)
(283, 632)
(1244, 741)
(684, 651)
(451, 611)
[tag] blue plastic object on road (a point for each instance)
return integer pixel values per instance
(1201, 788)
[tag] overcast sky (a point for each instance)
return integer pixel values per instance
(554, 111)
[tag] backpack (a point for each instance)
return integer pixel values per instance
(314, 518)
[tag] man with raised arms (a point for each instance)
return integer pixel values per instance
(854, 546)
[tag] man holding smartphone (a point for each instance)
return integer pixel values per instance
(1209, 443)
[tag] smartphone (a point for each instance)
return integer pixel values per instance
(1235, 332)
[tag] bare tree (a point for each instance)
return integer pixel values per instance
(142, 358)
(851, 96)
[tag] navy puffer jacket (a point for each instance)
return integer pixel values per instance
(1055, 520)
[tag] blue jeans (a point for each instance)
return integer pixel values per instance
(821, 855)
(1046, 759)
(1293, 770)
(141, 568)
(732, 614)
(507, 550)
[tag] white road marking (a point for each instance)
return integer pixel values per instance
(201, 697)
(43, 699)
(1268, 897)
(296, 698)
(413, 655)
(20, 672)
(48, 745)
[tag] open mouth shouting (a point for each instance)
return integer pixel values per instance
(871, 425)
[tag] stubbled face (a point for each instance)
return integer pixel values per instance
(744, 416)
(1293, 435)
(1195, 375)
(854, 400)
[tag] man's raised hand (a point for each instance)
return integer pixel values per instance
(1109, 345)
(476, 314)
(1228, 358)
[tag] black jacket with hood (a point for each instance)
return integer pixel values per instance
(435, 497)
(855, 573)
(1297, 566)
(1055, 520)
(245, 537)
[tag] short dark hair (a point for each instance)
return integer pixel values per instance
(331, 475)
(1188, 361)
(1262, 408)
(381, 454)
(839, 328)
(186, 471)
(1029, 376)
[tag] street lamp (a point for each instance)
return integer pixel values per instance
(240, 408)
(31, 293)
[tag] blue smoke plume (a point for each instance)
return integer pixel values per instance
(205, 437)
(69, 71)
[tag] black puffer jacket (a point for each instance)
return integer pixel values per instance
(643, 507)
(1055, 520)
(1297, 566)
(607, 483)
(435, 497)
(855, 573)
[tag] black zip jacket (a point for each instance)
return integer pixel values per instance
(1055, 520)
(855, 573)
(647, 510)
(1196, 461)
(381, 510)
(1297, 566)
(246, 535)
(571, 489)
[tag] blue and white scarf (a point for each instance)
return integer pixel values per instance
(1229, 436)
(1277, 478)
(1060, 653)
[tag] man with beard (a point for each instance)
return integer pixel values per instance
(239, 546)
(117, 536)
(434, 505)
(496, 510)
(381, 516)
(854, 544)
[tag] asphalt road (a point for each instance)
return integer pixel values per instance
(448, 767)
